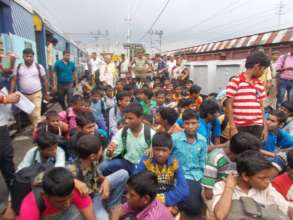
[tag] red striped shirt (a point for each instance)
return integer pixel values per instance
(247, 97)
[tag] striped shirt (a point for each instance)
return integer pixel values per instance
(218, 167)
(247, 98)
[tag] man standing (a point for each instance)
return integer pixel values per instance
(140, 65)
(284, 67)
(108, 72)
(123, 66)
(95, 64)
(64, 79)
(6, 150)
(30, 79)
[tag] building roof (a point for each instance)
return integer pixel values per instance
(260, 39)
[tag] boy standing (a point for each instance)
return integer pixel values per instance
(246, 95)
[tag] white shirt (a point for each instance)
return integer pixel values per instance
(108, 73)
(124, 66)
(171, 65)
(29, 78)
(95, 64)
(269, 196)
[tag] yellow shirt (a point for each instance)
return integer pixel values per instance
(266, 76)
(226, 131)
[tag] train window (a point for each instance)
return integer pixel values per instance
(28, 45)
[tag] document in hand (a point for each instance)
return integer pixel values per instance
(25, 104)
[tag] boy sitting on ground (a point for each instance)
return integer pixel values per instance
(69, 116)
(172, 184)
(277, 137)
(287, 108)
(101, 188)
(141, 203)
(46, 152)
(283, 183)
(221, 162)
(52, 124)
(129, 144)
(253, 181)
(58, 199)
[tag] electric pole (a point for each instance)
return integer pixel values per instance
(280, 12)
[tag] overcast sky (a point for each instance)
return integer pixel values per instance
(184, 22)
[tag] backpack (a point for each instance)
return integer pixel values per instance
(44, 105)
(23, 184)
(147, 137)
(248, 208)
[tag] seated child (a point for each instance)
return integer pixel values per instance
(129, 144)
(147, 103)
(277, 137)
(221, 162)
(169, 100)
(85, 125)
(141, 200)
(166, 119)
(59, 199)
(224, 121)
(172, 184)
(69, 116)
(109, 98)
(160, 98)
(283, 183)
(98, 107)
(253, 180)
(52, 124)
(195, 95)
(46, 152)
(101, 188)
(287, 108)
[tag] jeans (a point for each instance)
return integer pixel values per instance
(6, 156)
(110, 166)
(63, 91)
(117, 181)
(193, 203)
(283, 87)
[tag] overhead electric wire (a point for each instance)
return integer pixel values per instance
(156, 20)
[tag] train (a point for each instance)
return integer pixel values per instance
(22, 26)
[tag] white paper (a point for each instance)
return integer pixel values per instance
(25, 104)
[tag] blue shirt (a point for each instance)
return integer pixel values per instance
(191, 156)
(280, 139)
(64, 71)
(171, 174)
(97, 109)
(209, 129)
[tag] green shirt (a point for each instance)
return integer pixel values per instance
(135, 146)
(218, 166)
(147, 109)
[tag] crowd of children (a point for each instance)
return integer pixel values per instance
(155, 149)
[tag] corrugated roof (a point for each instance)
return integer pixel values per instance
(260, 39)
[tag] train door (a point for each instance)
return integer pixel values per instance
(223, 74)
(199, 75)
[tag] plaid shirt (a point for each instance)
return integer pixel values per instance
(91, 177)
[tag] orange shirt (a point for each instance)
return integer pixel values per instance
(198, 102)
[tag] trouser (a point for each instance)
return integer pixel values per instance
(6, 156)
(283, 87)
(36, 99)
(256, 130)
(110, 166)
(65, 91)
(272, 97)
(117, 181)
(193, 203)
(209, 206)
